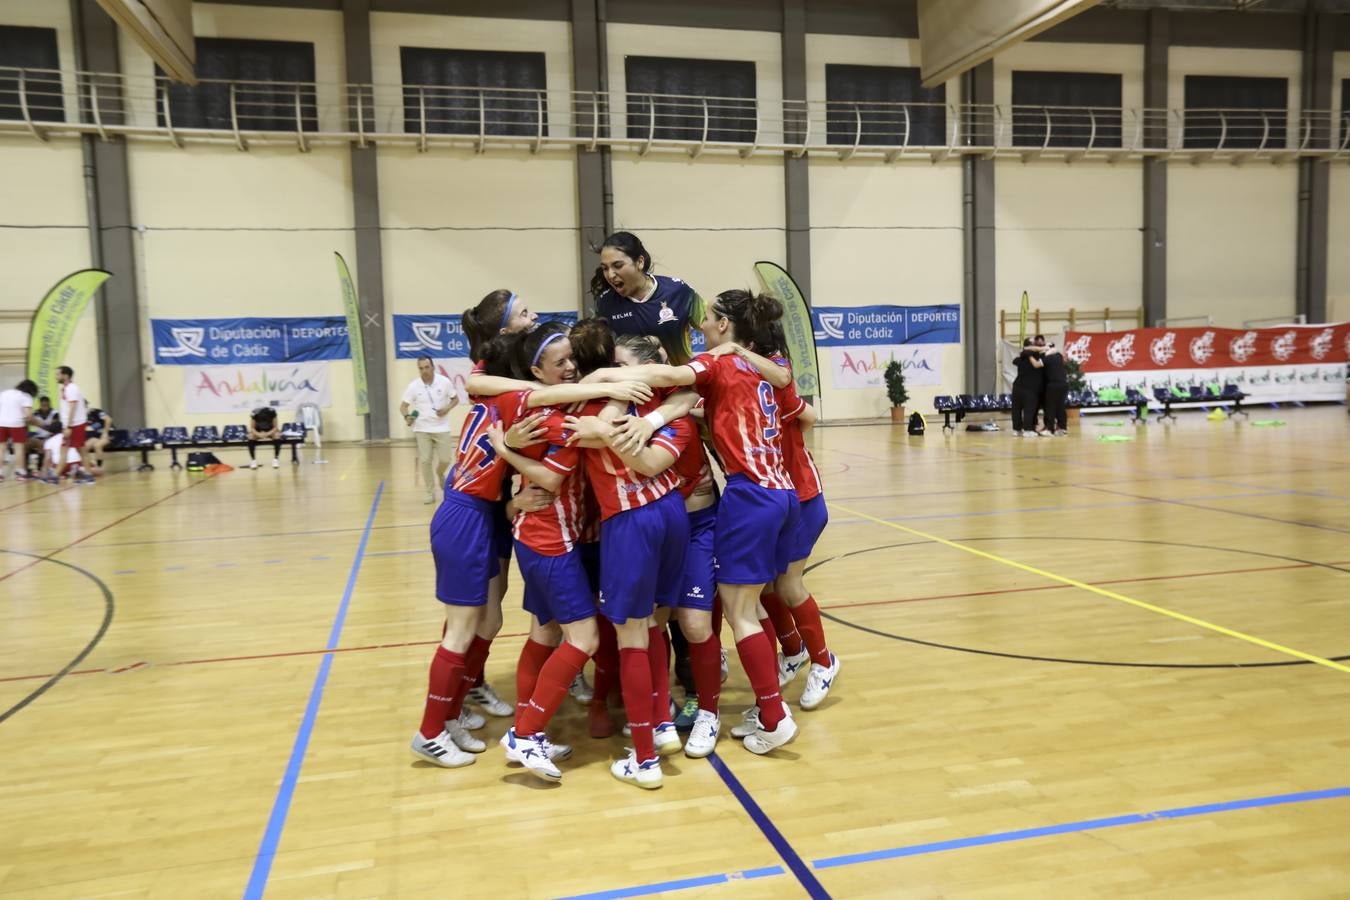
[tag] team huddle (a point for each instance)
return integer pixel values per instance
(618, 525)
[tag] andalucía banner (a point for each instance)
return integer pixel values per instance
(797, 325)
(353, 310)
(54, 324)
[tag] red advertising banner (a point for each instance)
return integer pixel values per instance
(1291, 362)
(1152, 349)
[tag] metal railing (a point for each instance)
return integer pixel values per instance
(1072, 319)
(49, 103)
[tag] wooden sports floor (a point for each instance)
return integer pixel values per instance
(1071, 668)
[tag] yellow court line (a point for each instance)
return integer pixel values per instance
(1112, 595)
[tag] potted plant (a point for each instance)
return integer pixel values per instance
(1073, 371)
(895, 391)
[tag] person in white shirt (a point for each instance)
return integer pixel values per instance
(426, 408)
(16, 414)
(74, 416)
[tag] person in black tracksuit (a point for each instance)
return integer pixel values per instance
(1056, 390)
(1026, 393)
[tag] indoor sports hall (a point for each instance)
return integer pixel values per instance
(1064, 294)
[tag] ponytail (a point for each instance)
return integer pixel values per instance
(484, 320)
(592, 345)
(750, 314)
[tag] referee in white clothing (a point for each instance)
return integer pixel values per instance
(426, 407)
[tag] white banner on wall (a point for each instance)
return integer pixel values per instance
(1261, 384)
(856, 368)
(220, 389)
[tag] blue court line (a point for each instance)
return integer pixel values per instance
(267, 850)
(795, 863)
(1002, 837)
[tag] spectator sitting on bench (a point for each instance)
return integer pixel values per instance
(46, 422)
(99, 433)
(263, 426)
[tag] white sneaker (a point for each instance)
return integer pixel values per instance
(557, 751)
(532, 753)
(441, 750)
(1017, 434)
(748, 725)
(470, 719)
(1044, 434)
(493, 705)
(789, 666)
(581, 690)
(703, 736)
(253, 464)
(276, 463)
(762, 741)
(646, 775)
(666, 739)
(725, 670)
(818, 683)
(463, 739)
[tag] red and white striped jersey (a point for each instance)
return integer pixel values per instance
(743, 412)
(692, 465)
(557, 528)
(617, 487)
(796, 458)
(479, 471)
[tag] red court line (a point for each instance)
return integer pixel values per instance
(37, 498)
(114, 522)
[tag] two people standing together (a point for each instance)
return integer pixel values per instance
(1042, 384)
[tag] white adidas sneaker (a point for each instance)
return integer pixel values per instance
(748, 724)
(470, 719)
(645, 775)
(493, 705)
(532, 753)
(762, 741)
(703, 736)
(789, 666)
(441, 751)
(463, 738)
(818, 683)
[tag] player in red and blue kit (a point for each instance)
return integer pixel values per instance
(643, 534)
(795, 618)
(757, 513)
(548, 549)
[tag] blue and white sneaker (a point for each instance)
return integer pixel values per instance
(818, 683)
(645, 775)
(531, 752)
(666, 739)
(762, 741)
(789, 666)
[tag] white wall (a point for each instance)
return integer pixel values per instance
(42, 184)
(1232, 232)
(244, 233)
(1338, 238)
(508, 218)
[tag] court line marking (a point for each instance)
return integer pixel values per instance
(814, 889)
(1219, 509)
(61, 490)
(1110, 595)
(281, 806)
(999, 837)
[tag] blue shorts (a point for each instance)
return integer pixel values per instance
(556, 588)
(754, 532)
(462, 546)
(810, 525)
(502, 539)
(590, 558)
(699, 586)
(642, 558)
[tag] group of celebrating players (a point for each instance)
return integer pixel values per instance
(619, 523)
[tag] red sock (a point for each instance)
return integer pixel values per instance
(766, 625)
(532, 658)
(658, 657)
(807, 616)
(447, 668)
(551, 688)
(606, 663)
(784, 626)
(636, 680)
(474, 658)
(757, 657)
(706, 661)
(717, 614)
